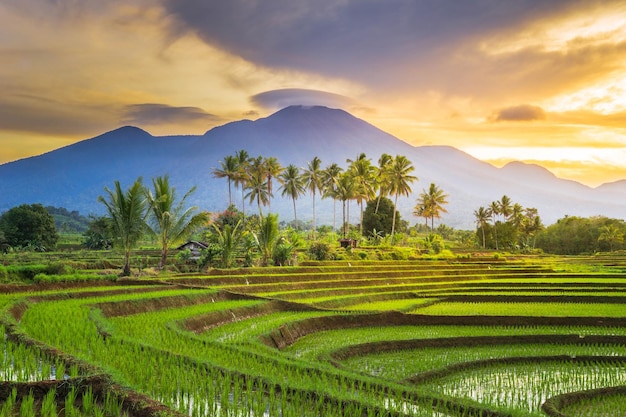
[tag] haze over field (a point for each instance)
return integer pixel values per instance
(528, 80)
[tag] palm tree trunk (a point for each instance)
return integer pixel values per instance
(482, 228)
(295, 216)
(163, 258)
(343, 224)
(393, 218)
(313, 216)
(361, 228)
(126, 270)
(243, 202)
(334, 215)
(495, 230)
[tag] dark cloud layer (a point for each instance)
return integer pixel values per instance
(278, 99)
(155, 114)
(421, 42)
(521, 113)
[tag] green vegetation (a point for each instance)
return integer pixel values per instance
(272, 319)
(364, 338)
(28, 226)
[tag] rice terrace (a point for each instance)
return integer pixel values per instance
(475, 334)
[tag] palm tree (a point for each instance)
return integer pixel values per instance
(400, 181)
(292, 186)
(494, 211)
(362, 173)
(127, 211)
(241, 177)
(517, 215)
(345, 191)
(433, 202)
(267, 237)
(257, 190)
(421, 210)
(272, 169)
(482, 217)
(330, 178)
(229, 170)
(611, 234)
(171, 222)
(384, 162)
(505, 208)
(229, 239)
(313, 180)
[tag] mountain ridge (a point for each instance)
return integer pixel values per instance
(73, 176)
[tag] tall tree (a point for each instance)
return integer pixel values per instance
(242, 176)
(229, 169)
(384, 162)
(494, 212)
(256, 183)
(482, 217)
(127, 210)
(363, 174)
(345, 191)
(29, 225)
(313, 181)
(433, 202)
(272, 169)
(400, 180)
(331, 177)
(292, 185)
(170, 221)
(505, 207)
(611, 234)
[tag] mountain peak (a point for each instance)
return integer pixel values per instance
(127, 131)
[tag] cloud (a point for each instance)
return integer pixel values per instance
(158, 114)
(521, 113)
(278, 99)
(396, 44)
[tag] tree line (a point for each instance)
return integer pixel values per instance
(507, 225)
(361, 181)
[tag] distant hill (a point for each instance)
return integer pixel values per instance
(74, 176)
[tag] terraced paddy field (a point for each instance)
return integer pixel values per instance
(471, 336)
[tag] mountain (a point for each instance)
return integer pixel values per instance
(74, 176)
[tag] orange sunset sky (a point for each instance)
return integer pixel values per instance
(537, 81)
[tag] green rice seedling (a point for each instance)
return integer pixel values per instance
(70, 401)
(49, 404)
(27, 408)
(7, 407)
(87, 401)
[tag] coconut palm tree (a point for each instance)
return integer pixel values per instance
(611, 234)
(482, 217)
(267, 237)
(345, 191)
(127, 211)
(241, 177)
(384, 162)
(505, 207)
(257, 190)
(399, 180)
(363, 174)
(433, 202)
(229, 169)
(272, 169)
(292, 185)
(169, 220)
(330, 178)
(494, 211)
(313, 181)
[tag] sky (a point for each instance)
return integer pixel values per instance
(531, 80)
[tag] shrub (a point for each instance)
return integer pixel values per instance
(320, 251)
